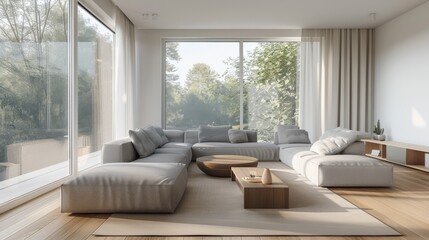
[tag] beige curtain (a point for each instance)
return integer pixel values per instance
(336, 80)
(125, 80)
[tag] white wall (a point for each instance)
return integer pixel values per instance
(402, 76)
(149, 62)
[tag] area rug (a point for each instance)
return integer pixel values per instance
(214, 206)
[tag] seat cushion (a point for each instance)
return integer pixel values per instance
(181, 151)
(126, 187)
(177, 145)
(165, 158)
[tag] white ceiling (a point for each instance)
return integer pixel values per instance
(263, 14)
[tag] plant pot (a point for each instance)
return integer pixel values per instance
(381, 137)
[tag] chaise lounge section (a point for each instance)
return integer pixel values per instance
(130, 187)
(348, 168)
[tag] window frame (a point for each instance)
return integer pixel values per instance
(240, 41)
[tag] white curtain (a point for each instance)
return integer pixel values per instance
(336, 81)
(125, 80)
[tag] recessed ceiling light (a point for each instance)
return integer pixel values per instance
(150, 16)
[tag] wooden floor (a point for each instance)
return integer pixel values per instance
(405, 207)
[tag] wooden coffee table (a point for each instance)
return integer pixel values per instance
(220, 165)
(258, 195)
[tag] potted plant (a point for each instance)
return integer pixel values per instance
(378, 132)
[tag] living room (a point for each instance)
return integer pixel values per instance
(128, 79)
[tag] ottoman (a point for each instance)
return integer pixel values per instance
(126, 187)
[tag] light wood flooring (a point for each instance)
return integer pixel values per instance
(405, 207)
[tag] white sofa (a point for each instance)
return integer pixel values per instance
(350, 168)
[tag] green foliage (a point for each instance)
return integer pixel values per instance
(271, 84)
(33, 72)
(269, 94)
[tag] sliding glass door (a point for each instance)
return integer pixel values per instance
(33, 93)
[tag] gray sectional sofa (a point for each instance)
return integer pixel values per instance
(186, 143)
(156, 181)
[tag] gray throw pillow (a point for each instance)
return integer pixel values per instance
(333, 143)
(237, 136)
(162, 134)
(282, 127)
(153, 135)
(213, 134)
(142, 143)
(287, 136)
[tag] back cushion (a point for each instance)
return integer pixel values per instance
(142, 142)
(154, 135)
(287, 136)
(191, 136)
(282, 127)
(162, 134)
(237, 136)
(213, 134)
(174, 135)
(252, 135)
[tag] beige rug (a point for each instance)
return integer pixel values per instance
(214, 206)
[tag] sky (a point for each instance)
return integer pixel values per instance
(211, 53)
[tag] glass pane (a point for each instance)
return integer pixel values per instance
(95, 59)
(202, 84)
(270, 86)
(33, 93)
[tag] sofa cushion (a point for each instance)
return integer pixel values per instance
(162, 134)
(174, 135)
(334, 143)
(121, 150)
(237, 136)
(293, 136)
(347, 170)
(213, 134)
(154, 135)
(142, 142)
(165, 158)
(356, 148)
(283, 127)
(191, 136)
(182, 151)
(177, 145)
(337, 170)
(252, 135)
(125, 187)
(359, 134)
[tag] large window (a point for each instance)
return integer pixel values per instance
(34, 94)
(208, 83)
(33, 90)
(202, 86)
